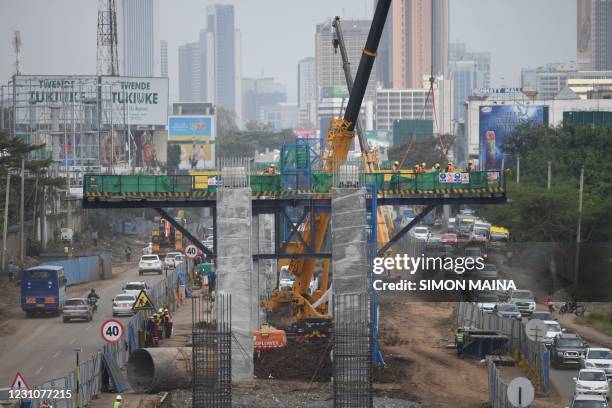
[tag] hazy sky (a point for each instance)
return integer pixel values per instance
(59, 36)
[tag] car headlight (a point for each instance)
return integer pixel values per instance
(560, 353)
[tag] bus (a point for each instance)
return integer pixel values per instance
(43, 289)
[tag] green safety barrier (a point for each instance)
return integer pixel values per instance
(321, 182)
(263, 183)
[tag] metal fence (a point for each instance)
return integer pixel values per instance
(498, 390)
(90, 371)
(533, 356)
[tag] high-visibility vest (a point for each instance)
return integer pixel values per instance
(459, 338)
(117, 404)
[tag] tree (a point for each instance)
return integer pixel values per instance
(429, 150)
(174, 158)
(226, 121)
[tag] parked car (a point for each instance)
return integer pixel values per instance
(591, 381)
(524, 300)
(421, 233)
(134, 288)
(509, 310)
(77, 308)
(589, 401)
(122, 304)
(598, 357)
(150, 263)
(541, 315)
(170, 259)
(553, 329)
(450, 239)
(566, 349)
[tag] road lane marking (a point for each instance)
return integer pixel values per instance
(73, 341)
(88, 327)
(56, 354)
(38, 371)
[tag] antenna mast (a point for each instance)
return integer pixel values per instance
(107, 62)
(17, 48)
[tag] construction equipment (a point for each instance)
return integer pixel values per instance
(165, 237)
(310, 311)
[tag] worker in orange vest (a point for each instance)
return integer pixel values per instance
(450, 167)
(271, 169)
(470, 167)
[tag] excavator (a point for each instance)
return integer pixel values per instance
(309, 310)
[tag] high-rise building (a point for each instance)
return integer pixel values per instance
(163, 59)
(196, 70)
(418, 41)
(306, 93)
(220, 19)
(594, 36)
(469, 71)
(138, 37)
(546, 80)
(328, 65)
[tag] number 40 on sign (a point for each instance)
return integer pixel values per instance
(112, 331)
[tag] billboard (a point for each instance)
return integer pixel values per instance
(54, 99)
(496, 122)
(195, 156)
(191, 128)
(583, 34)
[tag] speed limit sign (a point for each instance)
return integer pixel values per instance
(191, 251)
(112, 331)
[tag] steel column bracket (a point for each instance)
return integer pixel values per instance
(185, 232)
(404, 230)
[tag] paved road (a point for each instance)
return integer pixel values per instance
(43, 348)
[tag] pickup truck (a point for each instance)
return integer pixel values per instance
(567, 349)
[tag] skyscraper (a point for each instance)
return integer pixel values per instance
(163, 59)
(196, 70)
(594, 35)
(469, 71)
(138, 37)
(414, 43)
(220, 19)
(306, 88)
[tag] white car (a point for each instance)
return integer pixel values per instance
(553, 329)
(592, 382)
(134, 288)
(122, 304)
(150, 263)
(524, 300)
(486, 301)
(598, 357)
(589, 401)
(169, 260)
(421, 233)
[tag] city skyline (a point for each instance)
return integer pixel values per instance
(552, 23)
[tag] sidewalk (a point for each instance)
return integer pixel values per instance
(588, 333)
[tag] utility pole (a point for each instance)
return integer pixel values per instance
(577, 257)
(43, 218)
(21, 213)
(518, 168)
(549, 175)
(5, 225)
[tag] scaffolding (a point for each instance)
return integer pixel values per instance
(211, 351)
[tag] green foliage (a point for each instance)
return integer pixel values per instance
(174, 158)
(244, 143)
(430, 150)
(536, 213)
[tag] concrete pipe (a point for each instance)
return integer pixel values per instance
(151, 370)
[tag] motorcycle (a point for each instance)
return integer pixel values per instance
(93, 302)
(572, 307)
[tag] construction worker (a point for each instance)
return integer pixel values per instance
(450, 167)
(396, 167)
(459, 340)
(437, 168)
(167, 322)
(423, 167)
(118, 402)
(417, 168)
(271, 169)
(470, 166)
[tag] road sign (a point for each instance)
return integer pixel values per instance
(112, 331)
(521, 392)
(143, 302)
(191, 251)
(536, 330)
(19, 383)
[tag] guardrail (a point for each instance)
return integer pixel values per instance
(90, 370)
(200, 185)
(498, 389)
(533, 357)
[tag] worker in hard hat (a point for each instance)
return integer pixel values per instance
(450, 167)
(167, 322)
(470, 166)
(271, 169)
(437, 167)
(118, 401)
(396, 167)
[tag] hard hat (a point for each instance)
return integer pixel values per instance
(161, 310)
(423, 164)
(119, 398)
(470, 162)
(437, 164)
(396, 162)
(165, 310)
(272, 165)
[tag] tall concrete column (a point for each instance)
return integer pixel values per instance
(264, 270)
(235, 271)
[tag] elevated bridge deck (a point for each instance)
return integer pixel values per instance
(405, 188)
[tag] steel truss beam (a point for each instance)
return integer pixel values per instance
(404, 230)
(185, 232)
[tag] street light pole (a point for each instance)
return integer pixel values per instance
(78, 379)
(577, 257)
(549, 174)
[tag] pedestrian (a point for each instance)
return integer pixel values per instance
(66, 250)
(94, 236)
(10, 269)
(459, 340)
(168, 322)
(118, 402)
(128, 254)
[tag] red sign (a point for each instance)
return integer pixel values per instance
(112, 331)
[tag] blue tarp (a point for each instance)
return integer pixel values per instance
(79, 270)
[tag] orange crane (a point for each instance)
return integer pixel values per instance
(313, 308)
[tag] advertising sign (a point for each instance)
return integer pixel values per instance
(191, 128)
(144, 100)
(196, 156)
(496, 122)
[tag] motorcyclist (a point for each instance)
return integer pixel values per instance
(93, 298)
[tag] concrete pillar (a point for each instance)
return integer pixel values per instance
(235, 272)
(264, 276)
